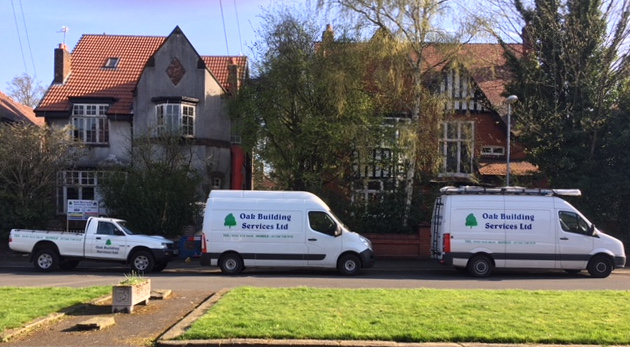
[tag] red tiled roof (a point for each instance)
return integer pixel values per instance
(13, 111)
(89, 78)
(484, 61)
(218, 65)
(520, 168)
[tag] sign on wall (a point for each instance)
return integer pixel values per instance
(82, 209)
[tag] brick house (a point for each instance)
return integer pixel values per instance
(472, 139)
(113, 88)
(472, 136)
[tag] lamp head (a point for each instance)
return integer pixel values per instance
(511, 99)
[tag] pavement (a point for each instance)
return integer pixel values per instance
(168, 315)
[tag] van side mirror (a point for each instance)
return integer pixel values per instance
(338, 231)
(591, 230)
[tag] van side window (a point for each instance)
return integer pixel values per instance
(105, 228)
(573, 223)
(321, 221)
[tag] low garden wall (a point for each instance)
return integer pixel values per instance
(402, 246)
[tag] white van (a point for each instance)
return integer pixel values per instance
(278, 228)
(478, 229)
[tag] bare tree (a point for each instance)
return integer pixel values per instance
(403, 33)
(25, 90)
(30, 158)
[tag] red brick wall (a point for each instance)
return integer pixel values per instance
(402, 246)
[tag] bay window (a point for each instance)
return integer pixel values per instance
(175, 118)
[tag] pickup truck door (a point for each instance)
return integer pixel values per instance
(105, 241)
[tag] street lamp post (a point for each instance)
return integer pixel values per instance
(509, 101)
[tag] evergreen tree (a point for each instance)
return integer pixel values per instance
(568, 82)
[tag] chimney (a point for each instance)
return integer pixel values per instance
(329, 33)
(233, 80)
(62, 63)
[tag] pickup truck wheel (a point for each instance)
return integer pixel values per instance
(349, 265)
(599, 266)
(231, 264)
(46, 260)
(480, 266)
(68, 264)
(142, 261)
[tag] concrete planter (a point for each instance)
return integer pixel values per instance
(125, 296)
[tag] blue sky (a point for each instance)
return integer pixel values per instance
(31, 28)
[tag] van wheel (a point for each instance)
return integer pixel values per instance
(46, 260)
(231, 264)
(480, 266)
(599, 266)
(349, 265)
(142, 261)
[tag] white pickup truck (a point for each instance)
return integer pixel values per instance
(106, 239)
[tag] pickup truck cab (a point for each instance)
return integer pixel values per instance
(106, 239)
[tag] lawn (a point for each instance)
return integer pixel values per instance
(419, 315)
(20, 305)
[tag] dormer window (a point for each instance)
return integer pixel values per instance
(90, 124)
(112, 63)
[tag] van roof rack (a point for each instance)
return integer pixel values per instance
(471, 190)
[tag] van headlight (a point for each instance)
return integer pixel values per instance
(365, 241)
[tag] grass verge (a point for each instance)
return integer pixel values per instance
(20, 305)
(419, 315)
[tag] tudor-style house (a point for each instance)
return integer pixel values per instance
(472, 139)
(113, 88)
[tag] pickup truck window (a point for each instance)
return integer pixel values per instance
(106, 228)
(126, 229)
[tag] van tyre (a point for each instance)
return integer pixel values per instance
(600, 266)
(46, 260)
(142, 261)
(480, 266)
(231, 264)
(349, 265)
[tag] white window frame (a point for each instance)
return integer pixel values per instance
(493, 151)
(216, 183)
(90, 123)
(176, 118)
(112, 63)
(458, 140)
(77, 185)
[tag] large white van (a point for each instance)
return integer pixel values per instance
(478, 229)
(278, 228)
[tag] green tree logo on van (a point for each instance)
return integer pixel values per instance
(471, 221)
(230, 221)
